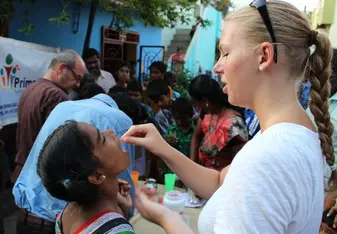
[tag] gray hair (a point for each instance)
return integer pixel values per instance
(68, 57)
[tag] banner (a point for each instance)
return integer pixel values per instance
(21, 63)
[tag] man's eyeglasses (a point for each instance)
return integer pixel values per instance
(77, 77)
(261, 6)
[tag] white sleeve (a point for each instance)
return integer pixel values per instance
(258, 195)
(113, 80)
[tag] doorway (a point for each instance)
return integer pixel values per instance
(117, 47)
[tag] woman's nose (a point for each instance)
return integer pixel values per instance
(218, 68)
(109, 132)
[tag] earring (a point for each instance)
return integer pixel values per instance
(206, 104)
(261, 68)
(103, 177)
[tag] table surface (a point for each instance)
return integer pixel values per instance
(142, 226)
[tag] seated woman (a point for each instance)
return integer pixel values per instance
(221, 130)
(80, 165)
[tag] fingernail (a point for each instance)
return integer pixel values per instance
(327, 215)
(334, 226)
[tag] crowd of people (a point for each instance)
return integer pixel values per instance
(71, 153)
(247, 145)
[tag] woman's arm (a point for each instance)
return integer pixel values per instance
(201, 180)
(195, 141)
(330, 199)
(174, 224)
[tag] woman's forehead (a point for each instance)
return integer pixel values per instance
(231, 33)
(86, 128)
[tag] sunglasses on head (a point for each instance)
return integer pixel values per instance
(261, 6)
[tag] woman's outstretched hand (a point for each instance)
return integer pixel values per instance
(170, 221)
(151, 210)
(147, 136)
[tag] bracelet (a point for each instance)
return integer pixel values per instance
(333, 168)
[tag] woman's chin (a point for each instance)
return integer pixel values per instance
(231, 99)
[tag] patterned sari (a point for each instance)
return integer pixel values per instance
(107, 222)
(224, 135)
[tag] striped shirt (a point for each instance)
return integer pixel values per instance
(107, 222)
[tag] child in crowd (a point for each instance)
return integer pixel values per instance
(179, 135)
(158, 91)
(172, 81)
(134, 90)
(143, 163)
(122, 78)
(157, 70)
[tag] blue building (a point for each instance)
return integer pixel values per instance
(114, 46)
(201, 52)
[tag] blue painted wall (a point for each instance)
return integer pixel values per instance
(201, 51)
(207, 39)
(51, 34)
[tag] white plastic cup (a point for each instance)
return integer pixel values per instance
(174, 200)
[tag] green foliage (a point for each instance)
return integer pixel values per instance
(64, 16)
(159, 13)
(27, 26)
(183, 79)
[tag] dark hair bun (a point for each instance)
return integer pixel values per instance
(65, 162)
(82, 191)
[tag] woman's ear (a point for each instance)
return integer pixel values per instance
(265, 55)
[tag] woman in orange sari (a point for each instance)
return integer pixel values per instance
(221, 130)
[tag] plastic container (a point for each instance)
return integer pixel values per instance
(174, 200)
(135, 177)
(170, 180)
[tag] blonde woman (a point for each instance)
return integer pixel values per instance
(275, 183)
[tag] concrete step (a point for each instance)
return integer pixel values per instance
(173, 48)
(183, 31)
(181, 43)
(176, 46)
(182, 37)
(180, 40)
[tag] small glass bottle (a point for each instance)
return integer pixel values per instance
(150, 185)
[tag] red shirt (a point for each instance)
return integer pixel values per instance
(36, 103)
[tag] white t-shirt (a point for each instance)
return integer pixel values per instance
(274, 185)
(106, 81)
